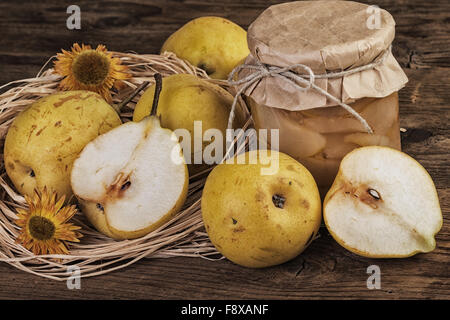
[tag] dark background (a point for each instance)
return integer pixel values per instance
(32, 31)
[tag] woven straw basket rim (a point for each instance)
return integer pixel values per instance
(97, 254)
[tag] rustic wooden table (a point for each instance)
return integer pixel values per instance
(32, 31)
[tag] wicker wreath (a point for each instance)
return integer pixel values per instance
(97, 254)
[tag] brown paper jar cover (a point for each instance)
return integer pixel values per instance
(327, 36)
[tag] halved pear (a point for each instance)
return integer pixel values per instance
(132, 179)
(366, 139)
(291, 133)
(382, 204)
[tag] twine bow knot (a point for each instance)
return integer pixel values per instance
(302, 82)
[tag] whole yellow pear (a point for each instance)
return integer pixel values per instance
(214, 44)
(260, 219)
(184, 99)
(44, 139)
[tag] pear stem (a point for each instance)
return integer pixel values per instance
(118, 107)
(158, 88)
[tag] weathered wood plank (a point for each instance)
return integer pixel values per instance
(33, 31)
(325, 270)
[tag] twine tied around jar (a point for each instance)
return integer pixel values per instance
(303, 82)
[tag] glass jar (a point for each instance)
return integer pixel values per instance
(351, 61)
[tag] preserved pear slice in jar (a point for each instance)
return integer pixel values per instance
(365, 139)
(295, 139)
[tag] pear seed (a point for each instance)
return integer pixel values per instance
(125, 186)
(374, 194)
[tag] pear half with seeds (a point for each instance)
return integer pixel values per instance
(132, 179)
(383, 204)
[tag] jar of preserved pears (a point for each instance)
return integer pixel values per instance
(346, 45)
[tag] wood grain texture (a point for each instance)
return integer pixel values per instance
(33, 31)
